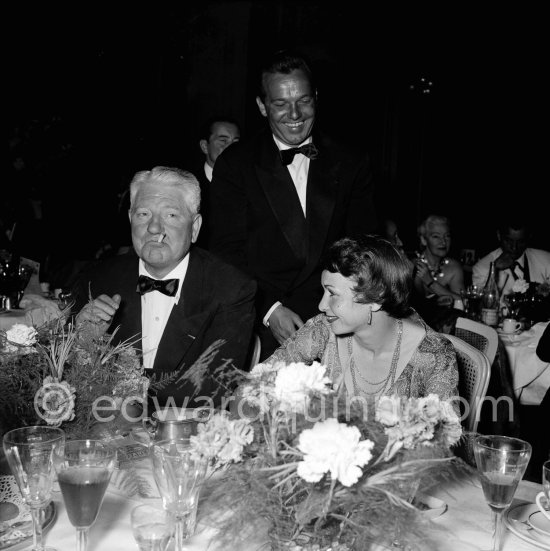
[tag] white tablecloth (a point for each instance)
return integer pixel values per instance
(530, 376)
(466, 524)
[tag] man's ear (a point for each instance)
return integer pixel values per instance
(203, 144)
(261, 106)
(197, 223)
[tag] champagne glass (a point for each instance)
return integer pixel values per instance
(84, 470)
(30, 455)
(153, 527)
(501, 462)
(179, 476)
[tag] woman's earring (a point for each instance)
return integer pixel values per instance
(369, 316)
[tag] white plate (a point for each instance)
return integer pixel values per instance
(540, 523)
(516, 520)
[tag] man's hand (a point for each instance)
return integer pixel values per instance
(99, 311)
(283, 322)
(505, 260)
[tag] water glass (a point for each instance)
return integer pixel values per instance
(84, 470)
(471, 299)
(545, 494)
(501, 462)
(153, 527)
(179, 476)
(30, 454)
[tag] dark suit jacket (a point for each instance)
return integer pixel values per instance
(216, 302)
(198, 172)
(256, 221)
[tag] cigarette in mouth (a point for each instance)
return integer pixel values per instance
(161, 237)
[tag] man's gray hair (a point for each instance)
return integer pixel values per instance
(175, 176)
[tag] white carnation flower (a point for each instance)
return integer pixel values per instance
(21, 334)
(333, 447)
(222, 439)
(296, 382)
(520, 286)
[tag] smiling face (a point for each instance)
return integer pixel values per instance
(338, 304)
(437, 239)
(161, 208)
(289, 106)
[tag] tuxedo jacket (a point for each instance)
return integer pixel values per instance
(256, 221)
(216, 302)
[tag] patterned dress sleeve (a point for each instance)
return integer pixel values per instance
(306, 345)
(435, 368)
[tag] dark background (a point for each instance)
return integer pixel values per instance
(99, 93)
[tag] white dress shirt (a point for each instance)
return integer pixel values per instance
(298, 168)
(539, 269)
(208, 171)
(155, 311)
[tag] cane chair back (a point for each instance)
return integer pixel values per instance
(479, 335)
(474, 370)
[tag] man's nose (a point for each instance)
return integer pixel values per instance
(155, 225)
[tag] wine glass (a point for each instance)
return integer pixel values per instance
(30, 454)
(179, 476)
(84, 470)
(501, 462)
(153, 528)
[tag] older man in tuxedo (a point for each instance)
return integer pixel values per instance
(179, 299)
(280, 198)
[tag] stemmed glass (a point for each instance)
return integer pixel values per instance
(179, 476)
(153, 528)
(30, 452)
(501, 462)
(84, 470)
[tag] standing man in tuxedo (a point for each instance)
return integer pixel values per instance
(177, 297)
(274, 210)
(217, 133)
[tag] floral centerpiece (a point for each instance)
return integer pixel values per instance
(58, 374)
(315, 470)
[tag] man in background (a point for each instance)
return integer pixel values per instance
(514, 259)
(274, 210)
(217, 133)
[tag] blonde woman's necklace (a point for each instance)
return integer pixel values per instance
(436, 272)
(385, 383)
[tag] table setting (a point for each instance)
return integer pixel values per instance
(291, 465)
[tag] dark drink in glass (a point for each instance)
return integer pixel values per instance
(83, 490)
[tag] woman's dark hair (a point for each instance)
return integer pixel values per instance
(381, 273)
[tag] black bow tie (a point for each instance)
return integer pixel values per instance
(168, 287)
(309, 150)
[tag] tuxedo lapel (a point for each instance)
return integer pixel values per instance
(282, 197)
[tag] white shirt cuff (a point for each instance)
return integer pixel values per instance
(269, 312)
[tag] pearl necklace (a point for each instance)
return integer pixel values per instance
(436, 273)
(389, 380)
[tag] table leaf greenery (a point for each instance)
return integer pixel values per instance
(55, 373)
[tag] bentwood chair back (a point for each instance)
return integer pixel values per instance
(474, 370)
(479, 335)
